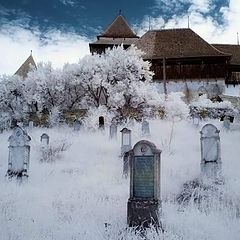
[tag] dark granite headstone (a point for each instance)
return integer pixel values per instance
(144, 201)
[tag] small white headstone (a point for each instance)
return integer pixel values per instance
(77, 125)
(226, 123)
(19, 153)
(113, 131)
(145, 128)
(126, 140)
(30, 125)
(44, 147)
(210, 151)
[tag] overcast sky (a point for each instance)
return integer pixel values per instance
(60, 30)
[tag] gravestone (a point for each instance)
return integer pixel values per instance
(30, 125)
(126, 140)
(145, 128)
(101, 122)
(19, 153)
(144, 201)
(76, 125)
(196, 119)
(44, 147)
(126, 164)
(226, 123)
(130, 122)
(44, 139)
(113, 131)
(210, 152)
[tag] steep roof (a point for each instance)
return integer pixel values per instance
(175, 43)
(26, 67)
(119, 28)
(234, 50)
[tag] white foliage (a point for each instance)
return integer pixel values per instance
(91, 120)
(175, 107)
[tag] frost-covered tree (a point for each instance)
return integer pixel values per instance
(12, 98)
(120, 74)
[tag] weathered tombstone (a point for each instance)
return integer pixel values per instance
(196, 119)
(210, 152)
(145, 128)
(113, 131)
(144, 201)
(30, 125)
(126, 140)
(126, 164)
(44, 139)
(130, 122)
(44, 147)
(226, 123)
(19, 153)
(101, 122)
(77, 125)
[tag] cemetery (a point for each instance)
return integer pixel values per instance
(121, 181)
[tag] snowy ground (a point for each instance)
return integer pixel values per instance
(73, 198)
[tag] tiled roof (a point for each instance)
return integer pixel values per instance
(234, 50)
(175, 43)
(119, 28)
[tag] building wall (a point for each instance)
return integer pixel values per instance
(187, 69)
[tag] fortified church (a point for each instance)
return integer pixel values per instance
(176, 55)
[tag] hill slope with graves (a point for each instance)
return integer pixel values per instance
(78, 191)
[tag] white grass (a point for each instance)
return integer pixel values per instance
(73, 197)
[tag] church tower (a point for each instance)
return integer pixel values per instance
(117, 33)
(26, 67)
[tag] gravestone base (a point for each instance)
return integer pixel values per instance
(143, 213)
(211, 170)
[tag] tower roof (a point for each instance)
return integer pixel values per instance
(119, 28)
(26, 67)
(176, 43)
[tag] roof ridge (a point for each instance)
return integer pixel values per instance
(115, 31)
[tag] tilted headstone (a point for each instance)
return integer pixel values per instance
(126, 140)
(113, 131)
(76, 125)
(145, 128)
(19, 153)
(226, 123)
(44, 147)
(210, 151)
(144, 201)
(101, 122)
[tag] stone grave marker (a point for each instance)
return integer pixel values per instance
(144, 201)
(76, 125)
(196, 119)
(126, 140)
(44, 147)
(19, 153)
(145, 128)
(30, 125)
(101, 122)
(226, 123)
(210, 151)
(113, 131)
